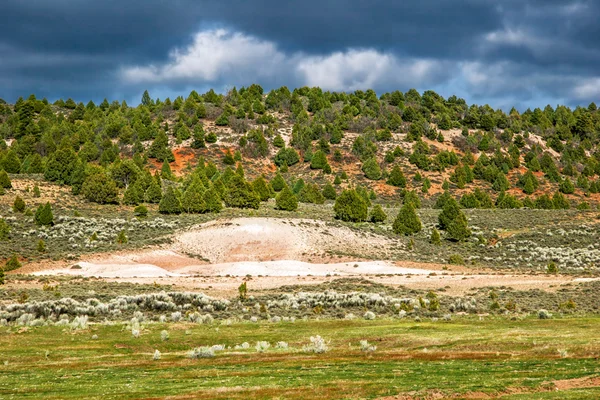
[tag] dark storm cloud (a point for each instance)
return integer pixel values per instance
(498, 52)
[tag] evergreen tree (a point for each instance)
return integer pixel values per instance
(435, 237)
(318, 160)
(4, 229)
(286, 200)
(450, 211)
(560, 202)
(170, 202)
(377, 214)
(566, 186)
(146, 100)
(350, 206)
(198, 138)
(36, 191)
(407, 221)
(160, 148)
(165, 171)
(12, 264)
(192, 200)
(212, 200)
(98, 188)
(371, 169)
(240, 194)
(43, 215)
(134, 194)
(153, 194)
(60, 165)
(396, 177)
(311, 194)
(458, 228)
(278, 183)
(19, 205)
(262, 188)
(329, 192)
(2, 279)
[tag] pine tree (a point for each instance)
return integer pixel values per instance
(122, 238)
(278, 183)
(329, 192)
(240, 194)
(566, 186)
(396, 177)
(350, 206)
(12, 264)
(318, 160)
(36, 191)
(19, 205)
(153, 194)
(212, 200)
(371, 169)
(165, 171)
(311, 193)
(192, 200)
(134, 194)
(4, 229)
(450, 210)
(262, 188)
(407, 221)
(458, 228)
(5, 180)
(286, 200)
(377, 214)
(43, 215)
(435, 237)
(170, 202)
(160, 148)
(41, 246)
(2, 280)
(98, 188)
(146, 100)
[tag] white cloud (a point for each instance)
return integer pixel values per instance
(222, 55)
(587, 89)
(212, 55)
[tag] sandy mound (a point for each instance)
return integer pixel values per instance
(111, 271)
(269, 239)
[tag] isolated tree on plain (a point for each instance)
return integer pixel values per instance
(454, 221)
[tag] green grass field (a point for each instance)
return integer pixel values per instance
(466, 357)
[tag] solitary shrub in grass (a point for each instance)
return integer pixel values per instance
(544, 314)
(456, 259)
(377, 214)
(552, 268)
(41, 246)
(122, 238)
(454, 221)
(36, 191)
(43, 215)
(170, 203)
(366, 347)
(435, 237)
(140, 211)
(18, 204)
(407, 221)
(164, 336)
(262, 346)
(286, 200)
(317, 345)
(350, 207)
(201, 352)
(4, 229)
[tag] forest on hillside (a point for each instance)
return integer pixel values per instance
(199, 153)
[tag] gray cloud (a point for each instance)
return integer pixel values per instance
(526, 52)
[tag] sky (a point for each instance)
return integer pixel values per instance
(505, 53)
